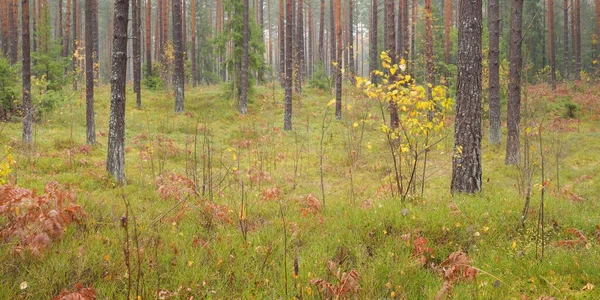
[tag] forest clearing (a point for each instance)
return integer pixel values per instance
(310, 149)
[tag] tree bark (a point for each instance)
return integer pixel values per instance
(551, 51)
(149, 37)
(89, 73)
(282, 46)
(373, 41)
(26, 72)
(178, 71)
(193, 49)
(115, 161)
(338, 67)
(495, 135)
(514, 84)
(400, 30)
(390, 44)
(577, 38)
(299, 46)
(466, 164)
(566, 38)
(137, 50)
(448, 28)
(244, 75)
(322, 34)
(429, 45)
(287, 121)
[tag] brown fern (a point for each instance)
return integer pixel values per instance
(174, 186)
(79, 293)
(346, 286)
(580, 239)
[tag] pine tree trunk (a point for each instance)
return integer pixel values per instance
(495, 136)
(577, 38)
(400, 30)
(514, 84)
(429, 45)
(89, 73)
(373, 41)
(311, 43)
(60, 22)
(287, 121)
(299, 46)
(149, 37)
(76, 42)
(244, 75)
(282, 46)
(405, 26)
(448, 28)
(26, 72)
(178, 71)
(193, 50)
(115, 161)
(551, 51)
(390, 44)
(332, 41)
(137, 50)
(351, 66)
(321, 45)
(466, 164)
(338, 67)
(566, 38)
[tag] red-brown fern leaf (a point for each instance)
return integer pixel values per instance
(457, 267)
(445, 291)
(580, 240)
(174, 186)
(349, 283)
(421, 251)
(79, 293)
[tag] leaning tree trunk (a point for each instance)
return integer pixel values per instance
(244, 75)
(89, 73)
(514, 83)
(373, 41)
(26, 69)
(495, 136)
(338, 67)
(287, 119)
(466, 164)
(178, 75)
(115, 161)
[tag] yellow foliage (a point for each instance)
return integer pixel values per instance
(7, 162)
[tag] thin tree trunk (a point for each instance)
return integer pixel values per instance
(149, 37)
(373, 41)
(26, 71)
(137, 50)
(60, 21)
(322, 33)
(244, 75)
(448, 28)
(566, 38)
(193, 50)
(577, 37)
(390, 41)
(89, 73)
(338, 67)
(76, 42)
(282, 46)
(332, 41)
(429, 45)
(514, 84)
(178, 71)
(299, 46)
(351, 66)
(287, 121)
(311, 43)
(466, 164)
(551, 51)
(115, 161)
(495, 136)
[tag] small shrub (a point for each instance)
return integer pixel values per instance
(154, 83)
(9, 90)
(319, 78)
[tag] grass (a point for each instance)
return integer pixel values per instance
(193, 254)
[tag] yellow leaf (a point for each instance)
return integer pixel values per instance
(355, 125)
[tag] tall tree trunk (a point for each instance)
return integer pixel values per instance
(178, 71)
(89, 73)
(400, 30)
(551, 51)
(26, 72)
(311, 43)
(495, 136)
(566, 38)
(149, 37)
(514, 84)
(338, 67)
(448, 28)
(261, 25)
(390, 44)
(577, 38)
(115, 161)
(322, 33)
(597, 32)
(373, 41)
(193, 50)
(76, 42)
(60, 22)
(332, 41)
(287, 121)
(351, 66)
(282, 46)
(466, 164)
(429, 45)
(299, 46)
(244, 75)
(406, 27)
(6, 11)
(137, 50)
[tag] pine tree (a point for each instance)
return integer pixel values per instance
(551, 51)
(287, 121)
(495, 136)
(178, 70)
(136, 30)
(338, 67)
(148, 37)
(115, 161)
(244, 68)
(26, 72)
(373, 40)
(89, 72)
(466, 164)
(514, 85)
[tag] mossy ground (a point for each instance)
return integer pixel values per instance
(182, 252)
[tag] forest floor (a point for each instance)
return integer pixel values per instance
(258, 227)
